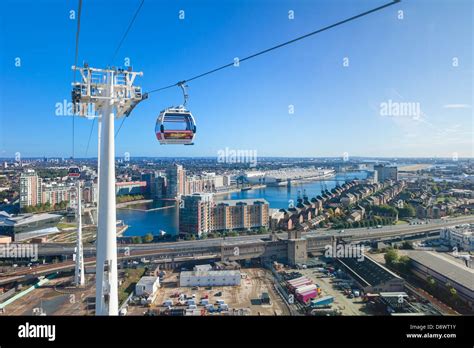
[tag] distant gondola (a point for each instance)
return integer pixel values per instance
(74, 172)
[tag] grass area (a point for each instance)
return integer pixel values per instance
(442, 199)
(128, 286)
(401, 222)
(63, 225)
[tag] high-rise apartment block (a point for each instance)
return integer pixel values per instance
(199, 213)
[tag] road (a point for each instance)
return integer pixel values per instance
(353, 233)
(211, 246)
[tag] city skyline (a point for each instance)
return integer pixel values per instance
(399, 119)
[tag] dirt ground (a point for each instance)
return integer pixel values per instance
(54, 299)
(244, 297)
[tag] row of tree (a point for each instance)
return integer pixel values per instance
(129, 198)
(45, 207)
(230, 233)
(147, 238)
(375, 221)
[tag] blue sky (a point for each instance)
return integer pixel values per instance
(337, 108)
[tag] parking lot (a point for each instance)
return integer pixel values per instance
(347, 306)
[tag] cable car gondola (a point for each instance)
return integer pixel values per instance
(74, 172)
(176, 125)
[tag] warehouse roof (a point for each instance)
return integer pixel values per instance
(147, 280)
(368, 271)
(446, 266)
(12, 220)
(210, 273)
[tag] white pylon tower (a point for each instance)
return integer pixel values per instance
(113, 95)
(79, 276)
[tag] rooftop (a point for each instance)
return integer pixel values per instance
(368, 271)
(445, 265)
(10, 220)
(131, 183)
(210, 273)
(233, 202)
(147, 280)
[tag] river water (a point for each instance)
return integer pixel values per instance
(143, 222)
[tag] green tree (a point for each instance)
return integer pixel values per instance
(431, 282)
(391, 256)
(136, 240)
(407, 211)
(148, 238)
(404, 264)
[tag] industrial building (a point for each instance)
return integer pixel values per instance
(371, 276)
(209, 278)
(281, 177)
(25, 226)
(445, 269)
(147, 286)
(460, 237)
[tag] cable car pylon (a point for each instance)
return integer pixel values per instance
(79, 275)
(113, 95)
